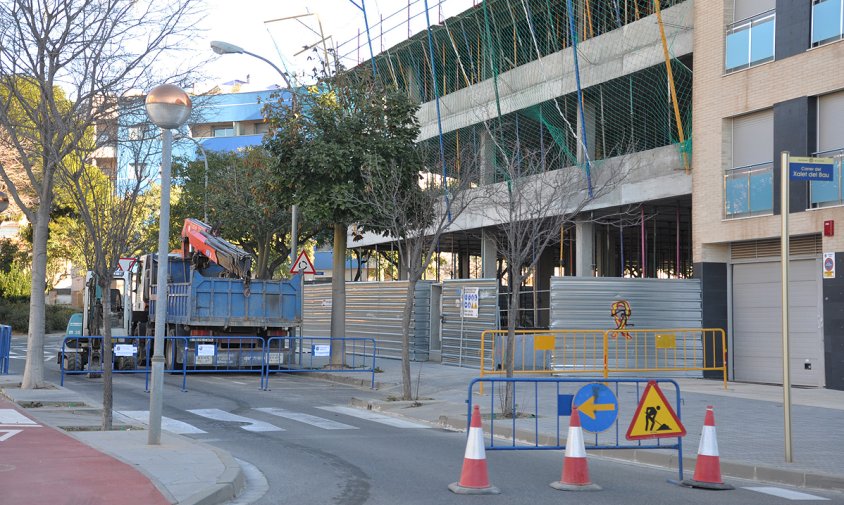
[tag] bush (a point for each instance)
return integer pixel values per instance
(16, 314)
(15, 283)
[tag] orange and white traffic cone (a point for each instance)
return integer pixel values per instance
(708, 465)
(575, 469)
(474, 478)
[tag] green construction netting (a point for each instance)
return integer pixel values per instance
(511, 61)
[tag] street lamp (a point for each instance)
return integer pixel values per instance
(221, 47)
(168, 107)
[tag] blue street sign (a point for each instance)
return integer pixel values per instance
(598, 407)
(811, 169)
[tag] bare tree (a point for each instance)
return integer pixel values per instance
(537, 197)
(416, 215)
(60, 62)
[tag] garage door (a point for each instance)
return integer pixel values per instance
(757, 319)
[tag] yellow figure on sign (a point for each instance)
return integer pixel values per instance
(621, 312)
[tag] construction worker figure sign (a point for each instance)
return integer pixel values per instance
(654, 417)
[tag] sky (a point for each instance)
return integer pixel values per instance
(251, 25)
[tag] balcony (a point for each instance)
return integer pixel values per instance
(750, 42)
(749, 191)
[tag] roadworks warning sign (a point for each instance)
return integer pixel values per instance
(654, 417)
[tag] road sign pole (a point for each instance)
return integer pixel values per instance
(785, 170)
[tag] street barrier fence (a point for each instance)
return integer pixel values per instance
(525, 413)
(205, 354)
(672, 351)
(313, 354)
(5, 347)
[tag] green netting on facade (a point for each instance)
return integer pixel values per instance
(509, 65)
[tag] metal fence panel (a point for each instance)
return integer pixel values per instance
(612, 302)
(461, 330)
(373, 310)
(5, 347)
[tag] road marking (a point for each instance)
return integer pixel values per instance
(167, 423)
(222, 415)
(319, 422)
(14, 418)
(8, 434)
(786, 493)
(372, 416)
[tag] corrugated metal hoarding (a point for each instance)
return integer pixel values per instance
(373, 310)
(462, 326)
(590, 303)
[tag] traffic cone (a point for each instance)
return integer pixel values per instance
(575, 469)
(473, 477)
(708, 465)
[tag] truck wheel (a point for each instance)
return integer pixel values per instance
(169, 355)
(72, 361)
(125, 363)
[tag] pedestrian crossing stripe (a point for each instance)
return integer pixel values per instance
(654, 417)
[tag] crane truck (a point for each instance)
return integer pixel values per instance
(210, 295)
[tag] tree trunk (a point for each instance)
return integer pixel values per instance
(407, 390)
(509, 407)
(338, 296)
(33, 374)
(106, 351)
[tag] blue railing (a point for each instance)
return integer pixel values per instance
(313, 354)
(540, 407)
(5, 347)
(205, 354)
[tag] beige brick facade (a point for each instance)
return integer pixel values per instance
(718, 98)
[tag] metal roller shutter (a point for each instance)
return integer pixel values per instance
(757, 320)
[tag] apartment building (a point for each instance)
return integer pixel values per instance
(769, 78)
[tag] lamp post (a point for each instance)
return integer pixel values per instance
(168, 107)
(221, 47)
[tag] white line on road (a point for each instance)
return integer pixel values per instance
(167, 424)
(319, 422)
(371, 416)
(222, 415)
(785, 493)
(14, 418)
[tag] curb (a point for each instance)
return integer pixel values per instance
(229, 484)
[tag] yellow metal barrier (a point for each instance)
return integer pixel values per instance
(666, 350)
(549, 352)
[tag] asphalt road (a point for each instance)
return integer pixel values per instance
(300, 443)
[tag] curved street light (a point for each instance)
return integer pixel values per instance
(220, 47)
(168, 107)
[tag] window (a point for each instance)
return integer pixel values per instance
(830, 145)
(262, 128)
(223, 131)
(826, 21)
(749, 184)
(750, 38)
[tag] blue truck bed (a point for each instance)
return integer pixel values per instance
(221, 302)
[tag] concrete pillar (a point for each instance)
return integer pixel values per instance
(413, 89)
(585, 248)
(544, 271)
(489, 256)
(463, 265)
(486, 148)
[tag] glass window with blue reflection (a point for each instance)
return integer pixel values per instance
(826, 21)
(762, 41)
(824, 193)
(736, 186)
(761, 191)
(738, 48)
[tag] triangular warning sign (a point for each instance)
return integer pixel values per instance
(654, 417)
(303, 265)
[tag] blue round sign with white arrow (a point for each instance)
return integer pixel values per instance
(598, 407)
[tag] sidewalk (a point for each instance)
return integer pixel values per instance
(54, 453)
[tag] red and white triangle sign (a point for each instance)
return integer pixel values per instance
(303, 265)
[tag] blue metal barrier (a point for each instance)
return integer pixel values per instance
(225, 354)
(313, 354)
(131, 355)
(5, 347)
(538, 404)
